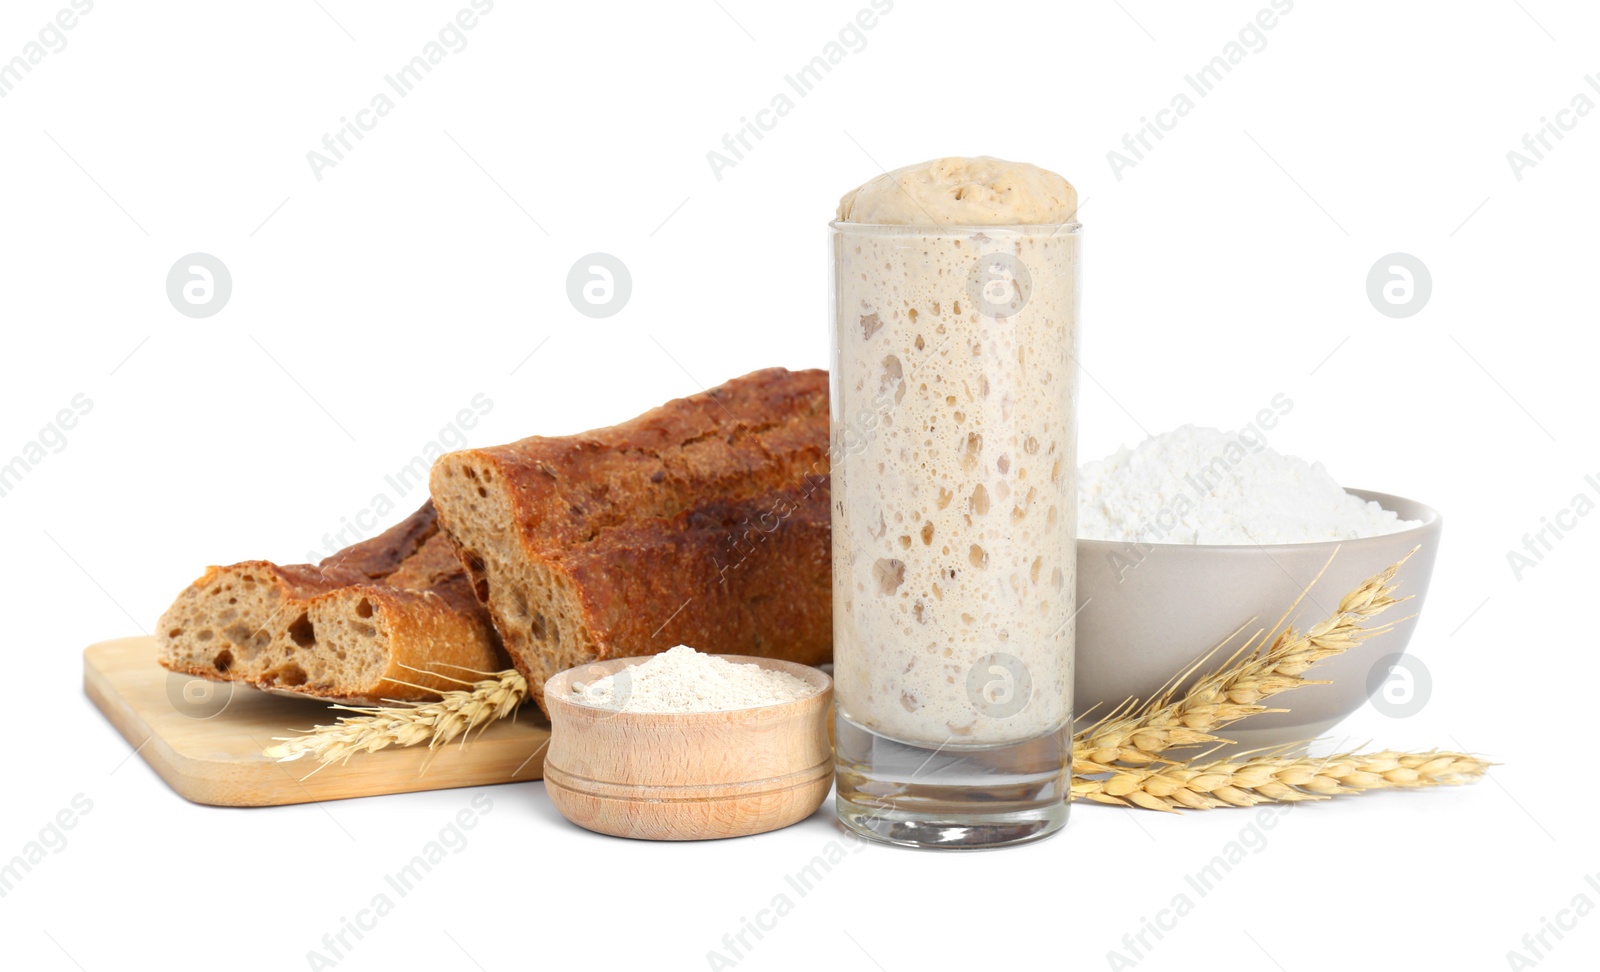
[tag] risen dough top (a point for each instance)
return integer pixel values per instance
(979, 191)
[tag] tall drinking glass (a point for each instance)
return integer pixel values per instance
(954, 385)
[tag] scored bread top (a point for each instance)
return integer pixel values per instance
(741, 438)
(378, 557)
(413, 555)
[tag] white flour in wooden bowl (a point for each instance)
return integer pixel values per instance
(684, 680)
(1200, 485)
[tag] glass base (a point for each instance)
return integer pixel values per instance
(959, 798)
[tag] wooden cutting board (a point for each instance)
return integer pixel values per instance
(205, 738)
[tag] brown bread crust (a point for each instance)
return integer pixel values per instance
(654, 585)
(378, 557)
(701, 522)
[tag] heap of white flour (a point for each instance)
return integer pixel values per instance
(683, 680)
(1200, 485)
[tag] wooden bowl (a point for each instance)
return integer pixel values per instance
(688, 775)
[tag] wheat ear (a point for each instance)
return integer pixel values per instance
(1138, 735)
(456, 713)
(1275, 779)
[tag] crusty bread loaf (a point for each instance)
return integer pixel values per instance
(703, 522)
(351, 628)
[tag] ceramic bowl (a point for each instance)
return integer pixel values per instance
(1141, 623)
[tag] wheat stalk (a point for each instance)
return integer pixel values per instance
(457, 712)
(1275, 778)
(1138, 734)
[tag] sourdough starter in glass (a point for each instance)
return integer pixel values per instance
(954, 462)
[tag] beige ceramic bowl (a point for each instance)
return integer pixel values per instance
(688, 775)
(1137, 631)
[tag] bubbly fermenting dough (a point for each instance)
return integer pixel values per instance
(981, 191)
(954, 460)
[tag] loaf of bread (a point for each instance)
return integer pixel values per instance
(372, 622)
(703, 522)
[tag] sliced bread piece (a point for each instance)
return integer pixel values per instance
(703, 522)
(352, 628)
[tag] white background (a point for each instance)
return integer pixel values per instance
(370, 306)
